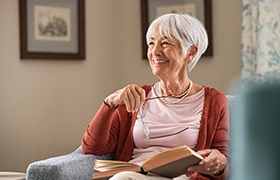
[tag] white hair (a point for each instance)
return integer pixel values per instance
(186, 29)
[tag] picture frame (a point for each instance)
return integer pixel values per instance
(51, 29)
(201, 9)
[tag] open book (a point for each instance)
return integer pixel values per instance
(170, 163)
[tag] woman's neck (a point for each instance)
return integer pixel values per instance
(174, 88)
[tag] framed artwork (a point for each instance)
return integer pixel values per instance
(201, 9)
(52, 29)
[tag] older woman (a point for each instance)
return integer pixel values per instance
(137, 121)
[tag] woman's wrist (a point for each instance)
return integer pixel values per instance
(223, 166)
(220, 172)
(110, 105)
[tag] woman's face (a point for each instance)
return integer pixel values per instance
(165, 57)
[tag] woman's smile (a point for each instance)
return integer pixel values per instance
(159, 62)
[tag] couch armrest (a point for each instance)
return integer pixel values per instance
(75, 165)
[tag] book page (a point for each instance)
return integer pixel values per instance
(107, 165)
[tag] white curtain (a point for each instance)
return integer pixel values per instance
(260, 41)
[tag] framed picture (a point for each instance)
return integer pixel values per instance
(52, 29)
(201, 9)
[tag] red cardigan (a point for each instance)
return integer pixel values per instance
(111, 130)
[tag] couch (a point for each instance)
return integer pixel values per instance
(77, 165)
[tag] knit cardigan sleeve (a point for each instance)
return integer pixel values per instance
(101, 134)
(214, 129)
(111, 130)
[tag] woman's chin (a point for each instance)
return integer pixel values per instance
(157, 72)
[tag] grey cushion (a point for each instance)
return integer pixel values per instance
(72, 166)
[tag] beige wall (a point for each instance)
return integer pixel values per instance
(45, 105)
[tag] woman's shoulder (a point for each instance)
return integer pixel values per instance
(213, 91)
(214, 94)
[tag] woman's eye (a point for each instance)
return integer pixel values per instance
(150, 43)
(165, 43)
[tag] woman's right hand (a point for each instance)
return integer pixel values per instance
(132, 96)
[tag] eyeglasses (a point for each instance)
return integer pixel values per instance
(145, 127)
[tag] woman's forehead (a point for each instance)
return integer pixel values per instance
(163, 32)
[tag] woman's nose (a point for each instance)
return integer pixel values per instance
(156, 49)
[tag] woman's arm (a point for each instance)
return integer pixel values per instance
(216, 150)
(101, 134)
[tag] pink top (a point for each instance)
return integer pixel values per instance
(165, 119)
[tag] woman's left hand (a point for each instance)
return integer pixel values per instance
(213, 163)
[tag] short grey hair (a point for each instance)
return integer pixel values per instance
(186, 29)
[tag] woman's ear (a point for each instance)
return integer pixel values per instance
(192, 52)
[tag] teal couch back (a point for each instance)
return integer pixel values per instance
(255, 134)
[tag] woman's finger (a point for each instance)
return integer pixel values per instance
(133, 96)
